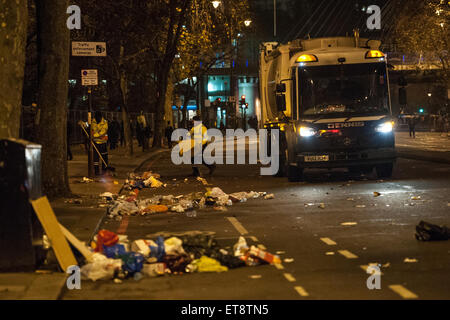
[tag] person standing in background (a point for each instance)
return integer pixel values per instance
(168, 134)
(100, 136)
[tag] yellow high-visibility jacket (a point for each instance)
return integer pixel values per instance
(100, 131)
(199, 130)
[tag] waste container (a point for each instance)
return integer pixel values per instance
(21, 234)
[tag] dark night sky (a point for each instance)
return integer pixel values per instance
(298, 18)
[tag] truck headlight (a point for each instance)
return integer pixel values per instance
(307, 132)
(386, 127)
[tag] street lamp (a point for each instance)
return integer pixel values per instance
(216, 4)
(248, 23)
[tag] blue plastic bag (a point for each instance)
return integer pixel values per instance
(114, 251)
(158, 252)
(132, 262)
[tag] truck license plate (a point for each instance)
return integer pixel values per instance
(317, 158)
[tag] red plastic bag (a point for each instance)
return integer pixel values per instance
(105, 238)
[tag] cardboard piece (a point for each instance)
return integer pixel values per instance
(52, 228)
(80, 246)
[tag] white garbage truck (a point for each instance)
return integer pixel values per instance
(329, 98)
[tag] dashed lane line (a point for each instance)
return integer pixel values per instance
(403, 292)
(279, 266)
(301, 291)
(238, 226)
(364, 267)
(328, 241)
(348, 254)
(289, 277)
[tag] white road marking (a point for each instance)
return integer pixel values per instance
(279, 266)
(301, 291)
(348, 254)
(403, 292)
(289, 277)
(328, 241)
(237, 225)
(262, 247)
(364, 267)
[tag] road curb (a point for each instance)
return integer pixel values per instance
(410, 156)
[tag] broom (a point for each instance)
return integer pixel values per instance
(107, 167)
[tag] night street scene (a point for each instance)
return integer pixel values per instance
(220, 157)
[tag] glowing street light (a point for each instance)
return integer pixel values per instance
(216, 4)
(248, 23)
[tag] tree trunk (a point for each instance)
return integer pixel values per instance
(160, 104)
(53, 44)
(126, 120)
(13, 26)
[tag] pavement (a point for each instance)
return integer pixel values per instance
(81, 219)
(322, 258)
(427, 146)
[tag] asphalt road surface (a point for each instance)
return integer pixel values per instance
(304, 224)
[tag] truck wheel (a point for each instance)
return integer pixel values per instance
(294, 174)
(385, 170)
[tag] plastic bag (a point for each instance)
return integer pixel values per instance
(205, 264)
(174, 246)
(114, 251)
(158, 251)
(105, 238)
(101, 268)
(430, 232)
(132, 262)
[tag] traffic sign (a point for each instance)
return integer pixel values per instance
(89, 49)
(89, 77)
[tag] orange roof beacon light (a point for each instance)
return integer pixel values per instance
(307, 58)
(374, 54)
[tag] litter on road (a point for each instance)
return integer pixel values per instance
(116, 259)
(213, 198)
(430, 232)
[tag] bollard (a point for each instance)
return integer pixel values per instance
(21, 234)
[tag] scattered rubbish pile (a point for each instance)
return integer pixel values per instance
(145, 180)
(115, 258)
(214, 198)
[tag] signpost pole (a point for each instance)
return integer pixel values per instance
(91, 151)
(89, 78)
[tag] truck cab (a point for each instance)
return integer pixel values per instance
(329, 98)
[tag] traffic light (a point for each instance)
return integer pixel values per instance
(242, 101)
(421, 110)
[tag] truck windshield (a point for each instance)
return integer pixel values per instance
(344, 89)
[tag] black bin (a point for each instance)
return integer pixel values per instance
(21, 234)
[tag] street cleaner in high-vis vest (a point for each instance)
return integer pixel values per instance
(199, 131)
(100, 137)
